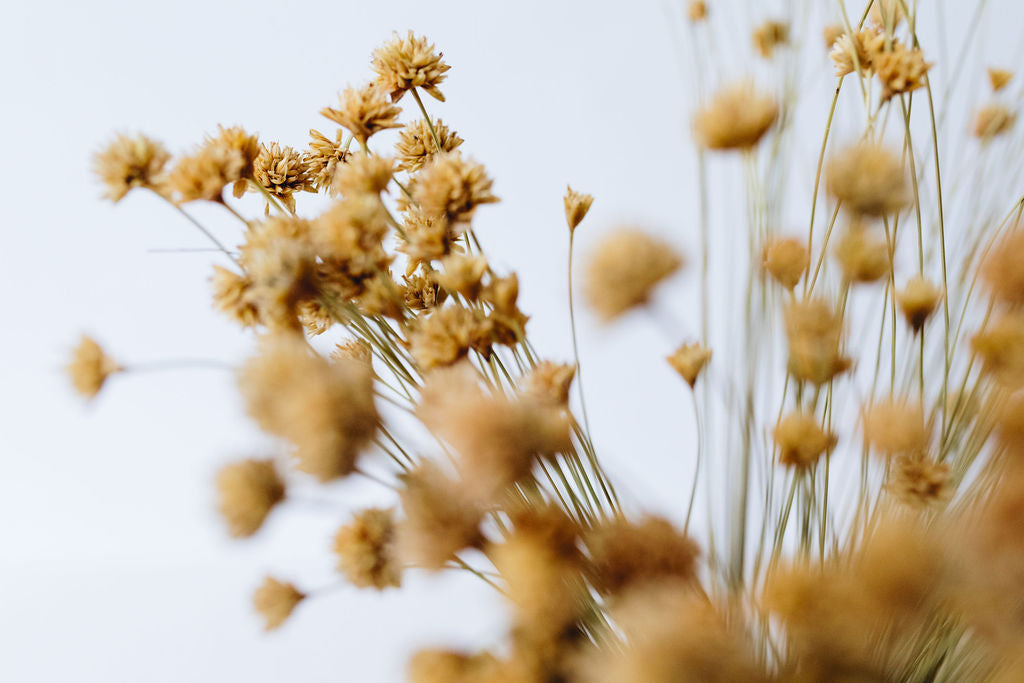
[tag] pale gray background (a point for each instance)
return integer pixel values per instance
(113, 564)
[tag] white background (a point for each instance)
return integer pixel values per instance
(113, 564)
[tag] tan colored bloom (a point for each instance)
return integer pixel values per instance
(427, 238)
(130, 161)
(697, 10)
(364, 112)
(281, 269)
(423, 293)
(993, 120)
(577, 204)
(850, 54)
(814, 332)
(406, 63)
(416, 146)
(324, 157)
(446, 335)
(248, 145)
(801, 440)
(349, 236)
(831, 33)
(918, 300)
(314, 317)
(868, 179)
(769, 36)
(326, 410)
(863, 254)
(353, 349)
(549, 382)
(689, 361)
(452, 187)
(886, 12)
(998, 78)
(275, 600)
(444, 666)
(900, 70)
(232, 295)
(507, 323)
(1001, 269)
(248, 491)
(462, 274)
(90, 367)
(786, 259)
(624, 553)
(365, 550)
(382, 296)
(282, 172)
(439, 521)
(364, 174)
(737, 117)
(1001, 348)
(625, 268)
(205, 173)
(918, 481)
(895, 427)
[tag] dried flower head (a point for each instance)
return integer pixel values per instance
(697, 10)
(349, 237)
(452, 187)
(549, 382)
(365, 550)
(462, 274)
(205, 173)
(445, 335)
(863, 254)
(232, 296)
(275, 600)
(896, 427)
(1001, 348)
(857, 53)
(354, 350)
(831, 33)
(918, 300)
(886, 13)
(426, 238)
(625, 268)
(577, 205)
(992, 120)
(282, 172)
(901, 70)
(130, 161)
(363, 112)
(280, 266)
(999, 78)
(801, 440)
(382, 296)
(423, 293)
(406, 63)
(1001, 270)
(919, 482)
(769, 36)
(507, 323)
(868, 179)
(737, 117)
(689, 361)
(248, 491)
(416, 144)
(90, 367)
(814, 332)
(439, 521)
(445, 666)
(326, 410)
(786, 259)
(625, 552)
(324, 157)
(248, 145)
(364, 174)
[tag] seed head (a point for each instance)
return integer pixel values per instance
(406, 63)
(423, 293)
(439, 521)
(90, 367)
(1001, 348)
(737, 117)
(625, 268)
(868, 179)
(130, 161)
(689, 361)
(324, 158)
(205, 173)
(814, 332)
(848, 54)
(801, 440)
(697, 10)
(895, 427)
(275, 600)
(831, 33)
(363, 112)
(363, 174)
(863, 255)
(445, 335)
(452, 187)
(416, 146)
(366, 552)
(993, 120)
(998, 78)
(1002, 271)
(248, 491)
(769, 36)
(919, 482)
(577, 205)
(900, 70)
(918, 300)
(624, 553)
(786, 259)
(248, 145)
(232, 295)
(282, 172)
(549, 383)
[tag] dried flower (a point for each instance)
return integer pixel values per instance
(900, 70)
(365, 550)
(439, 518)
(382, 296)
(364, 174)
(863, 255)
(349, 236)
(248, 491)
(353, 349)
(737, 117)
(814, 332)
(446, 335)
(868, 179)
(689, 361)
(282, 172)
(769, 36)
(426, 238)
(850, 54)
(232, 296)
(422, 293)
(624, 553)
(998, 78)
(1001, 347)
(918, 481)
(885, 11)
(90, 367)
(416, 145)
(205, 173)
(281, 269)
(324, 158)
(248, 145)
(697, 10)
(406, 63)
(452, 187)
(444, 666)
(507, 323)
(275, 600)
(894, 427)
(831, 33)
(577, 205)
(624, 270)
(1001, 269)
(363, 112)
(462, 274)
(549, 382)
(786, 259)
(993, 120)
(130, 161)
(801, 440)
(918, 300)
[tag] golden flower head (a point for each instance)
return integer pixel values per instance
(363, 112)
(737, 117)
(901, 70)
(205, 173)
(364, 174)
(998, 78)
(282, 172)
(324, 157)
(769, 36)
(406, 63)
(248, 491)
(232, 295)
(349, 236)
(868, 179)
(919, 482)
(801, 440)
(280, 267)
(423, 293)
(1001, 348)
(444, 666)
(992, 120)
(918, 300)
(246, 144)
(859, 52)
(625, 268)
(365, 550)
(886, 12)
(1001, 270)
(426, 237)
(625, 552)
(814, 332)
(831, 33)
(863, 254)
(786, 259)
(130, 161)
(689, 361)
(452, 187)
(439, 519)
(507, 323)
(90, 367)
(445, 335)
(549, 383)
(275, 600)
(577, 205)
(896, 427)
(697, 10)
(462, 274)
(382, 296)
(353, 350)
(416, 145)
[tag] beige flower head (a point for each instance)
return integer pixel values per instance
(130, 161)
(901, 70)
(233, 296)
(831, 33)
(863, 254)
(364, 174)
(363, 112)
(248, 491)
(427, 238)
(697, 10)
(918, 481)
(628, 553)
(462, 274)
(689, 361)
(275, 600)
(577, 205)
(1000, 345)
(90, 367)
(814, 332)
(850, 54)
(769, 36)
(205, 173)
(624, 270)
(423, 293)
(439, 519)
(324, 158)
(416, 145)
(918, 300)
(446, 335)
(886, 12)
(737, 117)
(549, 383)
(365, 548)
(801, 440)
(246, 144)
(406, 63)
(999, 78)
(786, 260)
(992, 120)
(868, 179)
(282, 172)
(452, 187)
(280, 268)
(896, 427)
(1001, 270)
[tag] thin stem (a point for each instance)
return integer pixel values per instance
(426, 117)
